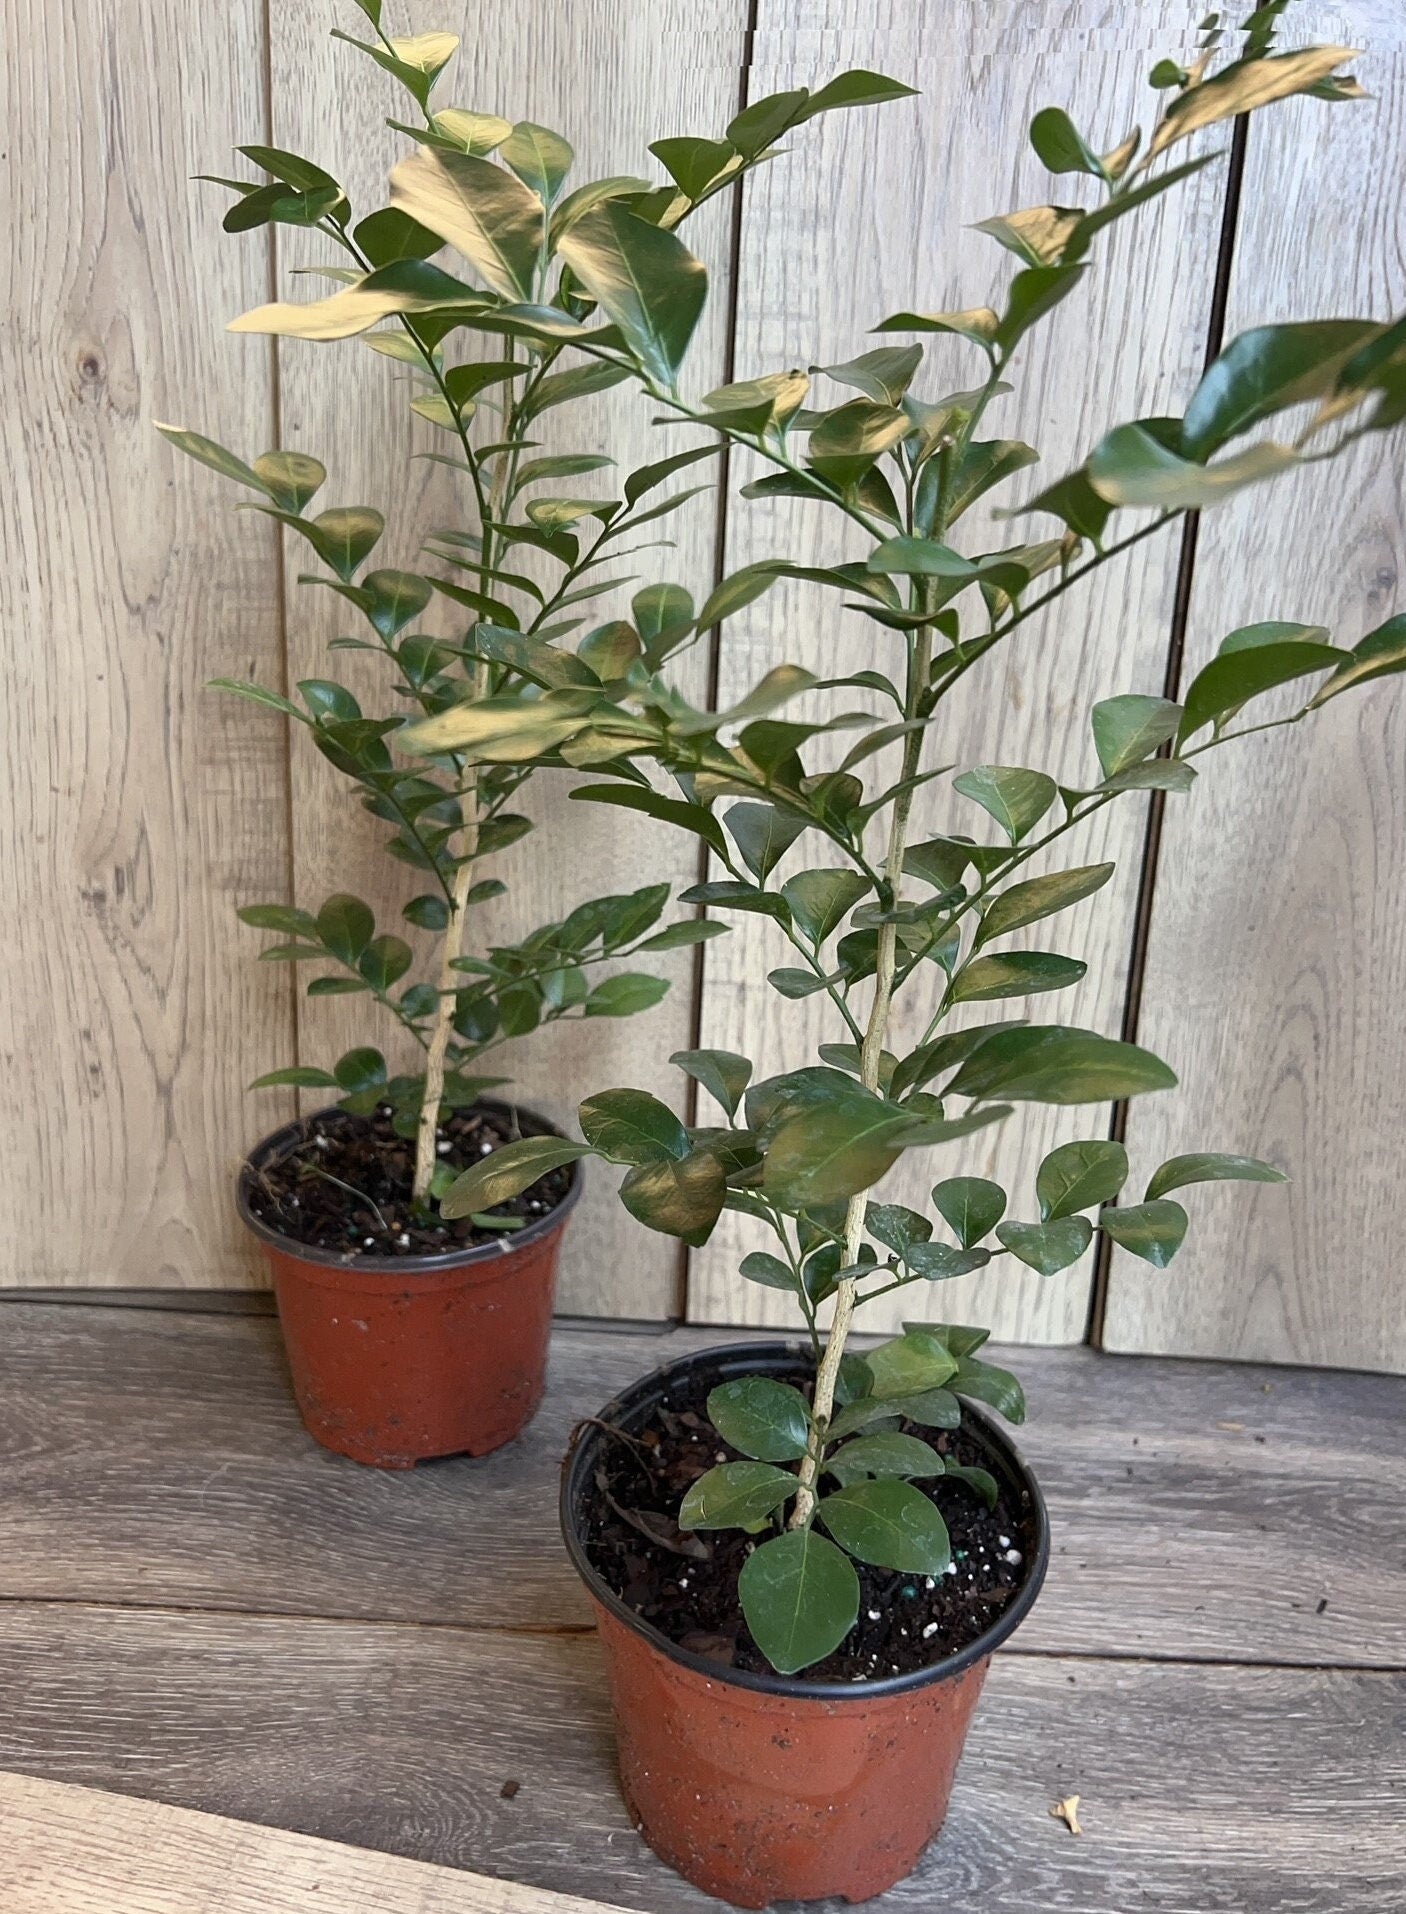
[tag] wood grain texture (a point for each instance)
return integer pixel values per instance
(1277, 958)
(140, 809)
(1199, 1511)
(1266, 1791)
(897, 189)
(612, 78)
(68, 1850)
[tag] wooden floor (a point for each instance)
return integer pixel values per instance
(200, 1607)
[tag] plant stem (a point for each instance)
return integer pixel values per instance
(427, 1133)
(871, 1053)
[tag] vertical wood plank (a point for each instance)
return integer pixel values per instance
(1276, 965)
(612, 78)
(868, 216)
(142, 809)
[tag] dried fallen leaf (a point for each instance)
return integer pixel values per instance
(1067, 1811)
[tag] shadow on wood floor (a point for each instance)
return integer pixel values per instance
(199, 1606)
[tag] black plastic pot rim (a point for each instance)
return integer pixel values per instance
(279, 1143)
(790, 1687)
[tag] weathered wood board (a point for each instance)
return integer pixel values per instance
(138, 810)
(1277, 956)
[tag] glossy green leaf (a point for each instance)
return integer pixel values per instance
(883, 375)
(385, 961)
(895, 1226)
(760, 1266)
(1380, 654)
(821, 899)
(1129, 729)
(1241, 672)
(507, 1172)
(1130, 467)
(1037, 234)
(1060, 145)
(834, 1150)
(722, 1074)
(626, 995)
(363, 1069)
(1040, 897)
(478, 133)
(196, 446)
(890, 1454)
(997, 1388)
(680, 1197)
(908, 1365)
(800, 1598)
(980, 1481)
(1047, 1247)
(630, 1126)
(540, 158)
(644, 279)
(971, 1206)
(1209, 1166)
(1015, 973)
(735, 1495)
(1153, 1231)
(888, 1523)
(1076, 1176)
(765, 1419)
(1264, 371)
(1016, 798)
(345, 926)
(1034, 293)
(847, 441)
(408, 286)
(858, 87)
(1054, 1064)
(763, 833)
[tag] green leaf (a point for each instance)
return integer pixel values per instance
(626, 994)
(834, 1150)
(480, 209)
(1077, 1175)
(984, 464)
(392, 599)
(997, 1388)
(695, 165)
(296, 1076)
(1015, 973)
(722, 1073)
(1157, 774)
(1379, 655)
(1040, 897)
(858, 87)
(883, 375)
(939, 1262)
(820, 899)
(766, 1419)
(207, 452)
(630, 1126)
(290, 478)
(740, 589)
(763, 834)
(540, 158)
(896, 1227)
(1016, 798)
(1153, 1231)
(909, 1365)
(1037, 234)
(1053, 1064)
(980, 1481)
(1209, 1166)
(682, 1197)
(284, 918)
(681, 936)
(848, 440)
(800, 1598)
(890, 1454)
(1060, 145)
(1264, 371)
(1129, 729)
(1130, 467)
(346, 926)
(735, 1495)
(971, 1207)
(890, 1524)
(507, 1172)
(476, 132)
(385, 961)
(1034, 292)
(1268, 655)
(359, 1070)
(644, 279)
(758, 1266)
(1243, 87)
(977, 323)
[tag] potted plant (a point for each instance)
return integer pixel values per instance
(416, 1322)
(801, 1557)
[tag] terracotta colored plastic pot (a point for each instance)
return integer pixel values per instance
(762, 1788)
(397, 1359)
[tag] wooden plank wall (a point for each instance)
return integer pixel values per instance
(1277, 960)
(146, 809)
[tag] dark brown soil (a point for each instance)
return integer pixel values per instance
(685, 1585)
(367, 1211)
